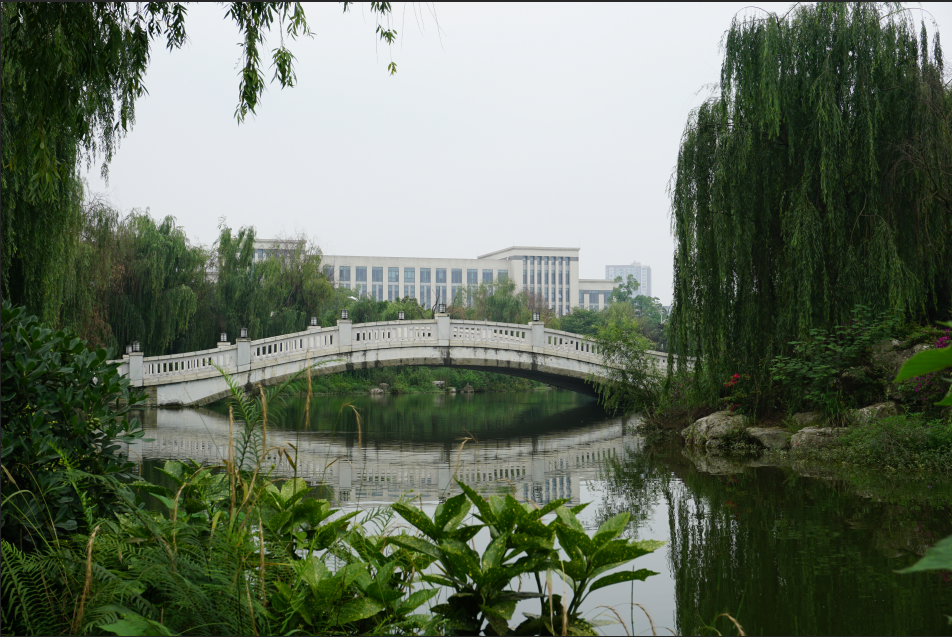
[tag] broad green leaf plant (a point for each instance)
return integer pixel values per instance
(521, 545)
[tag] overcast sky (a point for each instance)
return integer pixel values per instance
(538, 125)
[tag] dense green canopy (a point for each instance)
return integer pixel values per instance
(818, 178)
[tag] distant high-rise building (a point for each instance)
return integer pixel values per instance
(642, 274)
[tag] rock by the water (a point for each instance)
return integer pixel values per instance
(376, 391)
(806, 418)
(770, 438)
(384, 387)
(468, 389)
(451, 390)
(712, 430)
(814, 437)
(440, 383)
(888, 355)
(875, 412)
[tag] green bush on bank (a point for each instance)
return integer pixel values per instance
(63, 406)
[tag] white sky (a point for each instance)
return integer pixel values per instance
(543, 125)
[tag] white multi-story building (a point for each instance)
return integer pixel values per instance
(551, 274)
(642, 274)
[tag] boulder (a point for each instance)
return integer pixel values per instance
(875, 412)
(384, 387)
(890, 355)
(440, 383)
(770, 438)
(711, 431)
(807, 418)
(451, 390)
(468, 389)
(376, 391)
(814, 437)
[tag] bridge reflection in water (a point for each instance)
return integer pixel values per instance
(529, 462)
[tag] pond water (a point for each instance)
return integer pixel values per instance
(783, 549)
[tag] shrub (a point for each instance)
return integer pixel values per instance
(825, 371)
(63, 406)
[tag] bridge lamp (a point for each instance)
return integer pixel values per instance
(136, 347)
(224, 337)
(344, 314)
(401, 315)
(441, 308)
(313, 321)
(244, 332)
(535, 316)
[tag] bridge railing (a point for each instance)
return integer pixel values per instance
(490, 332)
(366, 336)
(294, 345)
(190, 363)
(370, 335)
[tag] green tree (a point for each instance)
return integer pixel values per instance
(795, 197)
(71, 74)
(625, 290)
(582, 321)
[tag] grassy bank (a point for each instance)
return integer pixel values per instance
(411, 380)
(910, 442)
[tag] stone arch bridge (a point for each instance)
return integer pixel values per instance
(557, 358)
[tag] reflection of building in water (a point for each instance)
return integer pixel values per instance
(537, 468)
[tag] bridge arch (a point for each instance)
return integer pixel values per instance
(531, 351)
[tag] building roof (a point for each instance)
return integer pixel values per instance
(530, 248)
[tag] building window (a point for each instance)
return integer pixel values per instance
(393, 292)
(344, 274)
(361, 274)
(393, 275)
(424, 275)
(457, 276)
(560, 277)
(378, 275)
(260, 252)
(441, 275)
(377, 290)
(581, 297)
(425, 295)
(546, 277)
(409, 290)
(347, 285)
(502, 275)
(532, 277)
(472, 277)
(409, 275)
(487, 276)
(329, 272)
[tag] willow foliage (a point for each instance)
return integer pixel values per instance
(817, 179)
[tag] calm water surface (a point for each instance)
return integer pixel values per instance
(785, 550)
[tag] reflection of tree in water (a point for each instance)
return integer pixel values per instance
(790, 554)
(447, 417)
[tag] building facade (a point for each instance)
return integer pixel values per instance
(641, 272)
(551, 274)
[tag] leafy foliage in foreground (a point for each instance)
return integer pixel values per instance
(63, 407)
(235, 552)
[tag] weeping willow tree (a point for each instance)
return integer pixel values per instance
(271, 296)
(817, 178)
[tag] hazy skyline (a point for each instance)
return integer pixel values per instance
(512, 126)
